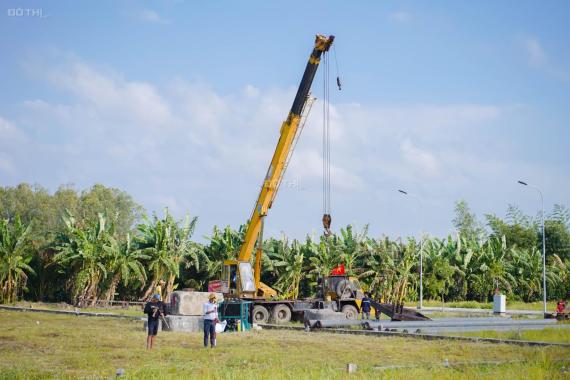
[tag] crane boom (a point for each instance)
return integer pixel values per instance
(276, 168)
(238, 273)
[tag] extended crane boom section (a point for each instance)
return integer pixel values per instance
(248, 287)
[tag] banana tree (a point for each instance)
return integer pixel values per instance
(222, 245)
(167, 244)
(126, 265)
(15, 256)
(81, 248)
(287, 262)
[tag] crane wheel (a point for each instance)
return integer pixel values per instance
(260, 314)
(281, 314)
(350, 312)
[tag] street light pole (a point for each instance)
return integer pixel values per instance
(543, 243)
(420, 306)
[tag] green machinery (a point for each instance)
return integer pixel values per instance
(237, 313)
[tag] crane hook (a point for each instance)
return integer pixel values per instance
(327, 219)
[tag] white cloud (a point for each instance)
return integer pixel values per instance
(12, 141)
(135, 101)
(191, 148)
(307, 167)
(9, 134)
(251, 91)
(536, 54)
(152, 17)
(400, 16)
(539, 59)
(183, 135)
(6, 164)
(422, 161)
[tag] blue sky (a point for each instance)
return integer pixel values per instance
(180, 103)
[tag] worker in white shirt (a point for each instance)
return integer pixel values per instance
(210, 320)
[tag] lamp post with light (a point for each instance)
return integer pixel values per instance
(421, 245)
(543, 243)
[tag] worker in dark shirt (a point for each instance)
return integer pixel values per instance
(154, 309)
(365, 306)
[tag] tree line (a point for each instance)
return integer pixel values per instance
(99, 244)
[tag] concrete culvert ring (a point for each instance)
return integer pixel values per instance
(350, 312)
(281, 314)
(260, 314)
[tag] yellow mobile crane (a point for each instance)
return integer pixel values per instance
(239, 279)
(337, 293)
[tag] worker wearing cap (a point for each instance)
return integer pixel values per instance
(154, 309)
(210, 320)
(158, 289)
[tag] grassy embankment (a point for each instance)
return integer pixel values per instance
(35, 345)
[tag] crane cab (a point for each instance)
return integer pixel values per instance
(237, 279)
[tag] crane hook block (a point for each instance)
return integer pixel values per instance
(338, 83)
(327, 224)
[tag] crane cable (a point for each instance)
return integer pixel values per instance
(326, 148)
(337, 70)
(327, 219)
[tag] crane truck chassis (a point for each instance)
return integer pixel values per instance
(338, 296)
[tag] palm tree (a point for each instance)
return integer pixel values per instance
(15, 256)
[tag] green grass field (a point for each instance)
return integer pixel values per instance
(136, 310)
(512, 305)
(37, 345)
(544, 335)
(133, 311)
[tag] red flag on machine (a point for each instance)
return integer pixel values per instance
(339, 270)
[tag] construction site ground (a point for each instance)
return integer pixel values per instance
(41, 345)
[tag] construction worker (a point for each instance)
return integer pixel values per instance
(154, 309)
(158, 289)
(365, 306)
(210, 320)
